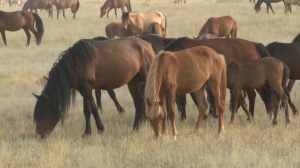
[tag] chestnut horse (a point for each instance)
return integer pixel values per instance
(156, 29)
(256, 74)
(232, 49)
(182, 72)
(268, 2)
(88, 65)
(14, 21)
(114, 4)
(115, 29)
(139, 23)
(38, 4)
(220, 26)
(63, 4)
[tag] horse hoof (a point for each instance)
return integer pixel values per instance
(85, 135)
(121, 110)
(274, 122)
(287, 121)
(183, 119)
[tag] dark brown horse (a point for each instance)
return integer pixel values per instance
(233, 50)
(157, 41)
(268, 2)
(114, 4)
(88, 65)
(14, 21)
(63, 4)
(38, 4)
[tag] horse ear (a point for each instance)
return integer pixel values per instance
(161, 103)
(46, 78)
(36, 96)
(148, 102)
(45, 97)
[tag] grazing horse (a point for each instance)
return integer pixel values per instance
(88, 65)
(183, 72)
(115, 29)
(256, 74)
(220, 26)
(139, 23)
(38, 4)
(63, 4)
(157, 41)
(268, 2)
(156, 29)
(114, 4)
(14, 21)
(288, 4)
(232, 49)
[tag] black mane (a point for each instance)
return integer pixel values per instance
(125, 15)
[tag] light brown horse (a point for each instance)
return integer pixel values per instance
(220, 26)
(115, 29)
(114, 4)
(139, 23)
(183, 72)
(156, 29)
(63, 4)
(14, 21)
(89, 65)
(255, 75)
(38, 4)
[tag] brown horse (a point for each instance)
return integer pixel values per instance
(288, 4)
(232, 49)
(38, 4)
(256, 74)
(63, 4)
(14, 21)
(156, 29)
(115, 29)
(114, 4)
(157, 41)
(183, 72)
(220, 26)
(268, 2)
(139, 23)
(88, 65)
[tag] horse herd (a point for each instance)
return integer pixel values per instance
(160, 71)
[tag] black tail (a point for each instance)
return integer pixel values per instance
(263, 51)
(39, 28)
(296, 39)
(130, 10)
(165, 31)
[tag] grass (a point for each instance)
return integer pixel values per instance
(242, 145)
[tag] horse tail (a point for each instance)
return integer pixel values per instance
(235, 29)
(165, 31)
(130, 10)
(39, 27)
(296, 39)
(25, 6)
(223, 82)
(263, 51)
(76, 8)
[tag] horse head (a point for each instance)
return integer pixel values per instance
(257, 8)
(102, 11)
(125, 20)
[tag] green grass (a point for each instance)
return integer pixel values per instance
(242, 145)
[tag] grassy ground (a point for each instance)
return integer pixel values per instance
(242, 145)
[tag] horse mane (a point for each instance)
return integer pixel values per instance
(296, 39)
(99, 38)
(171, 45)
(151, 87)
(125, 15)
(62, 84)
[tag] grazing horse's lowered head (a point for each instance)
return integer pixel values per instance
(125, 20)
(257, 7)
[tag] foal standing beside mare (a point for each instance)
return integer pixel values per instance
(89, 65)
(14, 21)
(183, 72)
(220, 26)
(114, 4)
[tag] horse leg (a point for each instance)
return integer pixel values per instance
(251, 97)
(193, 96)
(108, 11)
(64, 13)
(182, 101)
(165, 119)
(123, 9)
(178, 103)
(171, 112)
(233, 101)
(57, 10)
(211, 101)
(115, 12)
(241, 102)
(3, 36)
(113, 97)
(27, 34)
(202, 107)
(95, 113)
(288, 89)
(35, 33)
(98, 99)
(271, 7)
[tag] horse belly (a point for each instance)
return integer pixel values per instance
(190, 82)
(41, 4)
(17, 24)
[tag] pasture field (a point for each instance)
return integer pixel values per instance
(242, 145)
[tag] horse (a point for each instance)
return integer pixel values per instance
(157, 41)
(139, 22)
(288, 4)
(156, 29)
(63, 4)
(183, 72)
(256, 74)
(206, 36)
(268, 2)
(38, 4)
(14, 21)
(220, 26)
(115, 29)
(114, 4)
(2, 3)
(177, 1)
(88, 65)
(233, 50)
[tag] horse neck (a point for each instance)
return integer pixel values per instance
(259, 2)
(106, 4)
(153, 81)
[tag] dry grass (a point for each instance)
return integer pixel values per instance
(242, 145)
